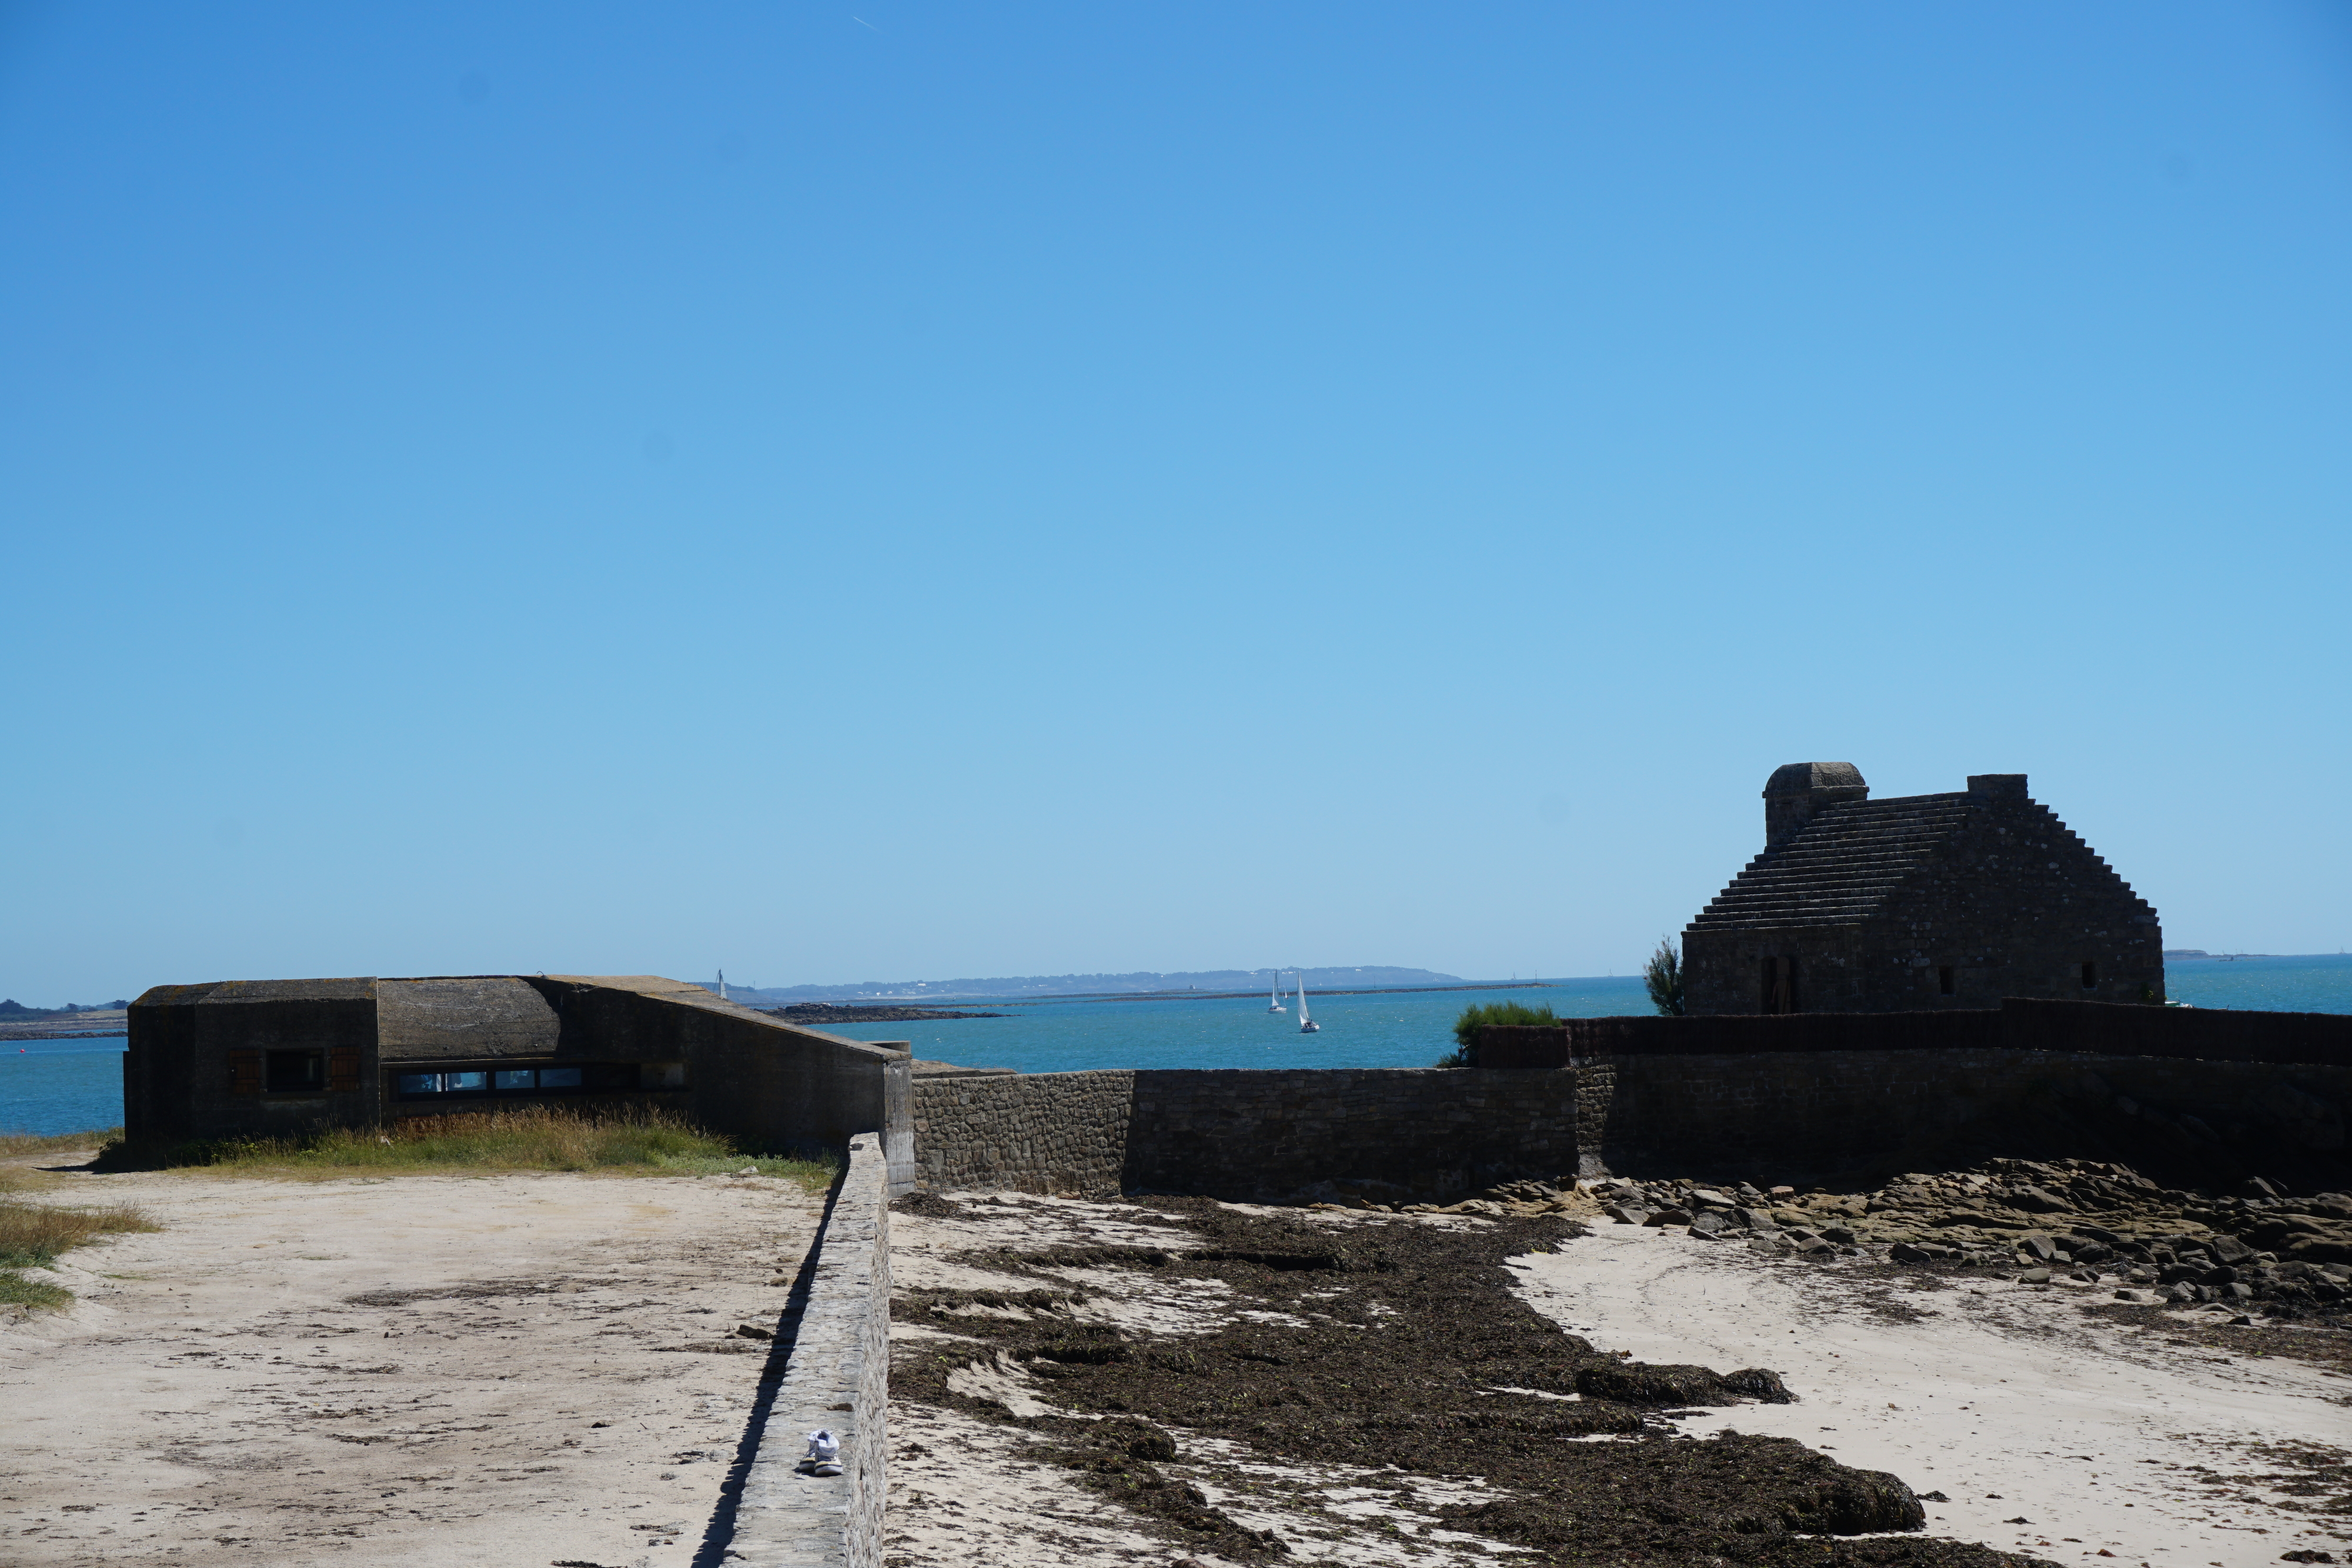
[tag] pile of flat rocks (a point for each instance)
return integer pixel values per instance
(1513, 1199)
(1770, 1220)
(2088, 1222)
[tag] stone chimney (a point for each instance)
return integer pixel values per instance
(2011, 785)
(1795, 792)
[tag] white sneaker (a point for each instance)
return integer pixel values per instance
(824, 1455)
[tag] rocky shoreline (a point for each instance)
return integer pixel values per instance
(817, 1015)
(86, 1023)
(1360, 1381)
(1326, 1356)
(2096, 1222)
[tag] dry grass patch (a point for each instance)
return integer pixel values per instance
(33, 1234)
(46, 1143)
(627, 1140)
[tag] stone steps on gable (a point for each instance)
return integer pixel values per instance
(1841, 865)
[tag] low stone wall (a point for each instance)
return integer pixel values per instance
(1047, 1132)
(1437, 1134)
(1247, 1135)
(838, 1377)
(1796, 1113)
(1243, 1136)
(2019, 1023)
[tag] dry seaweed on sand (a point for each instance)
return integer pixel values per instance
(1396, 1345)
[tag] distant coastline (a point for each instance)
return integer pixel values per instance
(823, 1013)
(1141, 983)
(84, 1023)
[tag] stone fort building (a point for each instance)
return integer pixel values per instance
(1919, 902)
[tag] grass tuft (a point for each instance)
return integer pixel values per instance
(41, 1143)
(626, 1140)
(33, 1234)
(32, 1295)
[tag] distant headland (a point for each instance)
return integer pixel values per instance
(1143, 982)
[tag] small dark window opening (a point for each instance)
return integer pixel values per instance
(296, 1071)
(1944, 980)
(2090, 976)
(1780, 984)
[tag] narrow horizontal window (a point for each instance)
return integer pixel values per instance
(296, 1071)
(621, 1076)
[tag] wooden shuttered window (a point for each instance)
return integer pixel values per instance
(245, 1072)
(343, 1070)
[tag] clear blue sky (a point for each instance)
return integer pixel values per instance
(873, 490)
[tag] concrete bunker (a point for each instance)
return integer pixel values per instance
(279, 1058)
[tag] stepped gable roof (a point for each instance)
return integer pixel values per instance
(1843, 863)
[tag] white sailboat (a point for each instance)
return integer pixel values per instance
(1305, 1025)
(1273, 995)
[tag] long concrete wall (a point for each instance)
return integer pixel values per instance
(1787, 1113)
(760, 1079)
(838, 1377)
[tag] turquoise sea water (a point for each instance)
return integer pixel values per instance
(65, 1085)
(60, 1085)
(1381, 1029)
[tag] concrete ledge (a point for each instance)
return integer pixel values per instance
(838, 1377)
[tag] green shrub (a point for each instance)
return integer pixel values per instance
(1477, 1016)
(1664, 975)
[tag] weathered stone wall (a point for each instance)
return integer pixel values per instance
(839, 1377)
(1596, 1094)
(1046, 1132)
(1243, 1136)
(2108, 1028)
(1796, 1113)
(1798, 1096)
(1247, 1135)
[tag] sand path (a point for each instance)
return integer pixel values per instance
(2010, 1399)
(507, 1369)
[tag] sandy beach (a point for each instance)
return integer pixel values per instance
(546, 1368)
(2012, 1400)
(2028, 1422)
(427, 1369)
